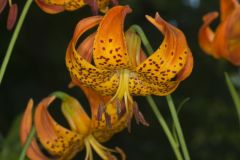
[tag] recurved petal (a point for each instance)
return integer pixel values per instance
(227, 7)
(33, 152)
(85, 48)
(187, 70)
(170, 58)
(57, 140)
(66, 4)
(49, 8)
(110, 51)
(73, 111)
(78, 66)
(233, 37)
(206, 35)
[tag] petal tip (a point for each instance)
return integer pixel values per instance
(210, 16)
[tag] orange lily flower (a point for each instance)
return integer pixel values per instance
(225, 41)
(119, 68)
(57, 6)
(64, 144)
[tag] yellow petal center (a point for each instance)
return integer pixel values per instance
(122, 91)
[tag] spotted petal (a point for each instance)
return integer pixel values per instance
(51, 9)
(66, 4)
(227, 7)
(110, 50)
(79, 67)
(170, 58)
(33, 152)
(57, 140)
(206, 35)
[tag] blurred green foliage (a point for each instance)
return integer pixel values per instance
(37, 67)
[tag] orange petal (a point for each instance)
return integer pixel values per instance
(82, 70)
(79, 67)
(206, 35)
(33, 151)
(227, 7)
(110, 51)
(51, 9)
(167, 61)
(187, 70)
(66, 4)
(232, 37)
(57, 140)
(85, 48)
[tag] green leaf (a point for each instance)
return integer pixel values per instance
(234, 94)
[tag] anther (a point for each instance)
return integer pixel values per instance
(101, 110)
(139, 116)
(108, 120)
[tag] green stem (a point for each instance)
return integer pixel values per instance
(165, 127)
(14, 38)
(178, 127)
(234, 95)
(143, 37)
(26, 145)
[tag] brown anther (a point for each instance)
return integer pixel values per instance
(12, 16)
(3, 4)
(118, 108)
(139, 116)
(101, 110)
(93, 5)
(108, 120)
(129, 124)
(115, 2)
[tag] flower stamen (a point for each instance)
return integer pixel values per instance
(103, 152)
(138, 115)
(122, 91)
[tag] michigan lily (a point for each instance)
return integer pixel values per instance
(57, 6)
(62, 143)
(225, 41)
(117, 68)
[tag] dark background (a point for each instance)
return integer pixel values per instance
(37, 68)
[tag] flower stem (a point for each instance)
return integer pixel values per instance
(143, 37)
(234, 94)
(26, 145)
(165, 127)
(14, 38)
(178, 127)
